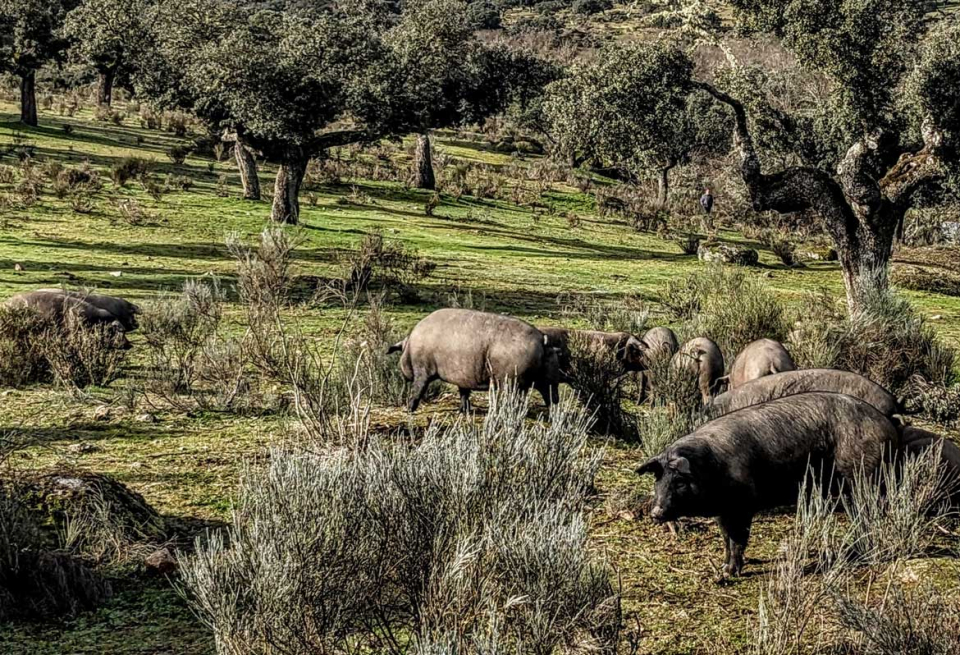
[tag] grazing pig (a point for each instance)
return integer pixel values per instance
(124, 310)
(54, 306)
(756, 458)
(625, 347)
(760, 358)
(658, 341)
(701, 357)
(917, 440)
(790, 383)
(471, 349)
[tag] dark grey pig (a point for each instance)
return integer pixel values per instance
(54, 306)
(760, 358)
(789, 383)
(701, 357)
(124, 310)
(624, 346)
(470, 349)
(756, 458)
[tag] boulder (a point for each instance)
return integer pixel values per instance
(818, 254)
(161, 562)
(728, 254)
(951, 231)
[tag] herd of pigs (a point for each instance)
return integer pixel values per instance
(771, 424)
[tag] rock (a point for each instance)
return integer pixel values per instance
(82, 447)
(728, 254)
(116, 273)
(17, 267)
(146, 417)
(161, 562)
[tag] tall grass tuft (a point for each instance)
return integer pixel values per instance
(473, 536)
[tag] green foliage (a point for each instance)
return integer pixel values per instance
(631, 108)
(30, 34)
(105, 32)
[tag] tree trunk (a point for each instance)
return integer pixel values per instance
(423, 164)
(28, 99)
(105, 87)
(247, 164)
(861, 208)
(663, 186)
(286, 194)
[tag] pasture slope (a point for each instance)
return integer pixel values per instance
(518, 259)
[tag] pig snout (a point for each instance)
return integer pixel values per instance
(657, 513)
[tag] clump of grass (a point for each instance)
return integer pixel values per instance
(336, 551)
(629, 314)
(727, 304)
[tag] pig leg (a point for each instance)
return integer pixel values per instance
(736, 534)
(549, 392)
(420, 384)
(465, 401)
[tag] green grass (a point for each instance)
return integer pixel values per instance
(187, 466)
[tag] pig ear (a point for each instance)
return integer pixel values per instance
(653, 465)
(680, 465)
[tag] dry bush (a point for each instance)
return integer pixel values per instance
(674, 398)
(472, 537)
(22, 361)
(81, 355)
(598, 379)
(938, 403)
(922, 279)
(626, 314)
(728, 305)
(889, 342)
(365, 353)
(814, 340)
(178, 153)
(265, 273)
(388, 265)
(192, 362)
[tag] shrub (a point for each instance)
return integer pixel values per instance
(177, 123)
(390, 265)
(597, 377)
(888, 341)
(689, 244)
(80, 355)
(935, 401)
(129, 168)
(21, 360)
(131, 212)
(921, 279)
(483, 15)
(365, 355)
(265, 273)
(150, 118)
(728, 305)
(332, 552)
(179, 182)
(814, 341)
(178, 153)
(590, 7)
(191, 364)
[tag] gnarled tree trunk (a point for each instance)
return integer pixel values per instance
(286, 194)
(423, 164)
(861, 214)
(663, 185)
(247, 164)
(105, 86)
(28, 99)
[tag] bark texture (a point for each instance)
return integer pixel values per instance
(861, 206)
(286, 195)
(663, 185)
(28, 99)
(423, 164)
(247, 164)
(105, 84)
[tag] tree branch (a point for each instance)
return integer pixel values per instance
(791, 190)
(914, 170)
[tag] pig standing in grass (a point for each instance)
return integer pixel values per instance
(756, 458)
(471, 349)
(624, 346)
(790, 383)
(760, 358)
(701, 357)
(124, 310)
(54, 305)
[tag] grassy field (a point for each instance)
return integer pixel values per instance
(517, 259)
